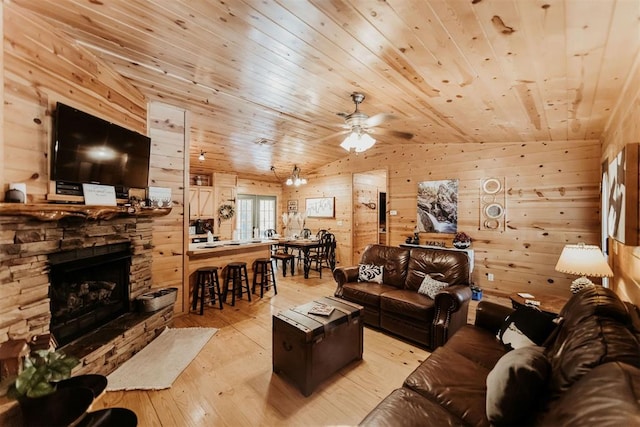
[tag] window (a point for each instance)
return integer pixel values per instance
(255, 212)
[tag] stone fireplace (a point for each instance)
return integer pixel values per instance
(49, 286)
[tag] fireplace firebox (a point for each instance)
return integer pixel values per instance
(89, 288)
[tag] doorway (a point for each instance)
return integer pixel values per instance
(369, 211)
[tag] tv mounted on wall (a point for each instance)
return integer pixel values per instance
(88, 149)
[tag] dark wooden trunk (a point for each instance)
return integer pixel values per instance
(307, 348)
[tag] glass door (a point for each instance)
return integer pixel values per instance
(255, 214)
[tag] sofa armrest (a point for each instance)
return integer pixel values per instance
(490, 316)
(452, 307)
(344, 275)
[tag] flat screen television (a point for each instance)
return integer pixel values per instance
(88, 149)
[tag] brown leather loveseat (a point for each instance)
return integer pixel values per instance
(395, 304)
(586, 373)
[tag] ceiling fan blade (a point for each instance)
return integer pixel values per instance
(378, 119)
(333, 135)
(396, 133)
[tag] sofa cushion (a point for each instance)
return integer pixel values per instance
(430, 286)
(453, 381)
(370, 273)
(365, 293)
(515, 384)
(408, 304)
(404, 407)
(606, 396)
(394, 260)
(477, 345)
(452, 264)
(526, 326)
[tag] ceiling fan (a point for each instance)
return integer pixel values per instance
(359, 125)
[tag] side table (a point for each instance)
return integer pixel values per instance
(549, 304)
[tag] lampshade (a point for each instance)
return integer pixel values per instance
(583, 260)
(359, 141)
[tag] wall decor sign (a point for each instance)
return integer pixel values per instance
(622, 203)
(292, 206)
(99, 195)
(320, 207)
(438, 206)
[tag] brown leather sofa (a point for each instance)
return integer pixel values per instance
(395, 304)
(593, 375)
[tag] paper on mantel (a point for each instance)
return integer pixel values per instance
(525, 295)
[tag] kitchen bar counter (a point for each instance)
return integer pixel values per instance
(222, 253)
(222, 246)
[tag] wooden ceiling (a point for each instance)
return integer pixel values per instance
(264, 79)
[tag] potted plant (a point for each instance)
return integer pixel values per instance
(40, 373)
(461, 240)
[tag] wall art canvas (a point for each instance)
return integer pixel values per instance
(622, 196)
(320, 207)
(438, 206)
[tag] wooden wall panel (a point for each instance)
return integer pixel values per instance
(42, 66)
(366, 187)
(168, 163)
(552, 199)
(624, 128)
(334, 184)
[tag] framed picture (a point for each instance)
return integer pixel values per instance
(320, 207)
(622, 196)
(438, 206)
(292, 206)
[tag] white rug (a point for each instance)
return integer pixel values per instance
(157, 365)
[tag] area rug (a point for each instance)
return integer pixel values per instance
(157, 365)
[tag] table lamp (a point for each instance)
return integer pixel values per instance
(583, 260)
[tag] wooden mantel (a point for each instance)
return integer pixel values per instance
(57, 211)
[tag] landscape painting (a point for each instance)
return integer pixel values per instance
(438, 206)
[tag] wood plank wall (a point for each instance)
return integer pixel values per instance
(168, 166)
(42, 66)
(624, 128)
(366, 187)
(552, 198)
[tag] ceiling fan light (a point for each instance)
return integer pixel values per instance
(201, 156)
(289, 181)
(303, 181)
(358, 142)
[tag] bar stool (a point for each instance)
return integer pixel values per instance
(206, 277)
(238, 278)
(263, 270)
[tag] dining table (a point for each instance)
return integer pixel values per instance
(305, 246)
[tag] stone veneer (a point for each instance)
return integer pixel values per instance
(25, 245)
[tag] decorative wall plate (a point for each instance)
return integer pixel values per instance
(494, 210)
(491, 224)
(491, 186)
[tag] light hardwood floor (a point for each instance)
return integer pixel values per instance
(231, 383)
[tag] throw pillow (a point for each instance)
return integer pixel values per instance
(370, 273)
(515, 386)
(430, 286)
(526, 326)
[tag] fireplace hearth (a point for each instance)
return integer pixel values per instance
(89, 288)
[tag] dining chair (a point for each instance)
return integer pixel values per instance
(325, 256)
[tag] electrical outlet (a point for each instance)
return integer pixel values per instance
(393, 212)
(490, 277)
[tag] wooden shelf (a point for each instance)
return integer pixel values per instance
(56, 211)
